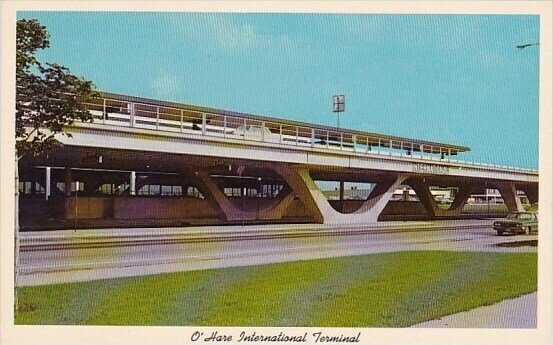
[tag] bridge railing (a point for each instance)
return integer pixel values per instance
(148, 116)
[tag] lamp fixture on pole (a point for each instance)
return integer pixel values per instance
(522, 46)
(338, 106)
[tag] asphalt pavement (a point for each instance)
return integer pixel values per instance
(68, 256)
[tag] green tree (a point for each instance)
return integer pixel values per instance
(48, 100)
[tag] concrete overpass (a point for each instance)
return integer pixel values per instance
(136, 142)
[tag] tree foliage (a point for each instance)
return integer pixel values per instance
(48, 96)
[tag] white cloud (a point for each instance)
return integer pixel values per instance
(230, 35)
(165, 84)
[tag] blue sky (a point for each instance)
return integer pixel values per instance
(451, 78)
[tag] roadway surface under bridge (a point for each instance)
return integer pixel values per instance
(205, 154)
(68, 256)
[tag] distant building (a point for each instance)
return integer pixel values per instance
(401, 194)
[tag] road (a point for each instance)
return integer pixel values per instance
(73, 263)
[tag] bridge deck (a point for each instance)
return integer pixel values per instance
(131, 113)
(167, 116)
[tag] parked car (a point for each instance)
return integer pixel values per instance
(257, 133)
(517, 222)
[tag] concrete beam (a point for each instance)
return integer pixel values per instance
(98, 136)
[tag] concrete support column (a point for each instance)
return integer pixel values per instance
(277, 208)
(212, 194)
(464, 193)
(141, 182)
(532, 192)
(68, 180)
(133, 183)
(184, 185)
(315, 201)
(406, 195)
(90, 186)
(422, 189)
(48, 182)
(232, 212)
(33, 182)
(307, 191)
(380, 195)
(426, 198)
(508, 192)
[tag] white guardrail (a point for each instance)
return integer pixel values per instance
(180, 120)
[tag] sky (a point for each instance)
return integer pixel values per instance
(455, 79)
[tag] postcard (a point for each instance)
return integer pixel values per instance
(276, 172)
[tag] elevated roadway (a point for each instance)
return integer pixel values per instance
(207, 148)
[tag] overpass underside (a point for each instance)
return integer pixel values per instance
(78, 186)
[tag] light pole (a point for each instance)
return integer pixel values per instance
(76, 202)
(259, 195)
(338, 105)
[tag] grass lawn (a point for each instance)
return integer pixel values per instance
(377, 290)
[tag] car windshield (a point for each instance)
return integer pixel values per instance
(516, 215)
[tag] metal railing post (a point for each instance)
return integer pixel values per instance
(312, 137)
(401, 148)
(224, 126)
(390, 148)
(421, 147)
(263, 131)
(131, 114)
(104, 112)
(157, 117)
(297, 134)
(203, 123)
(327, 139)
(280, 134)
(379, 143)
(368, 146)
(341, 141)
(181, 120)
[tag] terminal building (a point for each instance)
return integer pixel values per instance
(145, 162)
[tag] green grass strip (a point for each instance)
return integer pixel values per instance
(377, 290)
